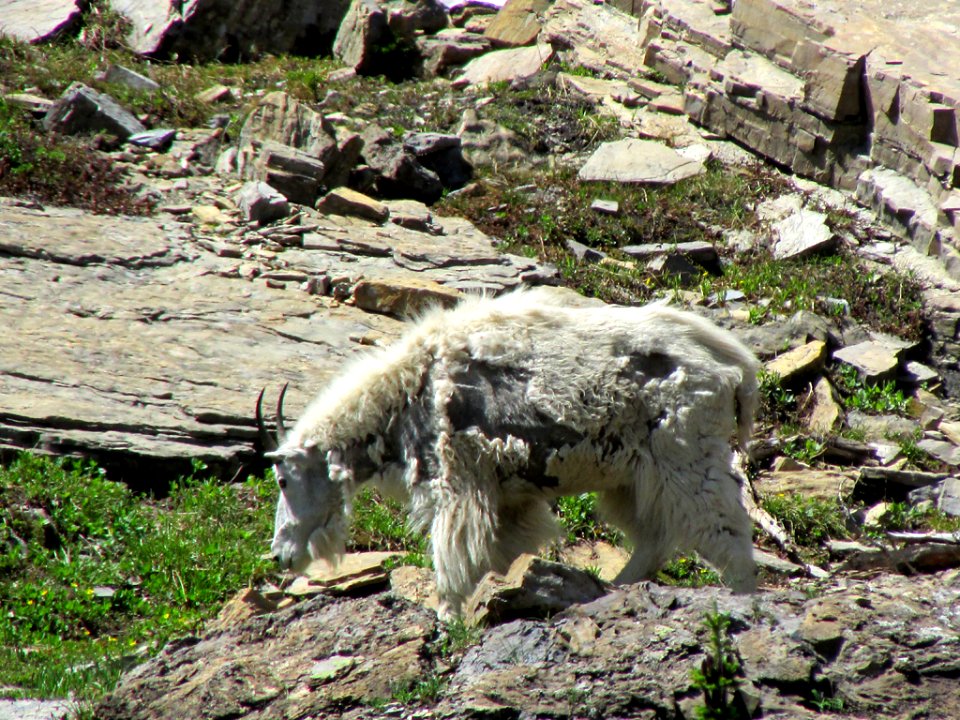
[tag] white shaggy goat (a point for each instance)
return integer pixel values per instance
(481, 416)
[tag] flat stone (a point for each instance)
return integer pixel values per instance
(505, 65)
(820, 484)
(83, 109)
(344, 201)
(881, 427)
(532, 587)
(517, 24)
(949, 500)
(804, 360)
(638, 161)
(39, 20)
(158, 139)
(941, 449)
(607, 207)
(874, 360)
(121, 75)
(36, 709)
(261, 203)
(697, 250)
(402, 298)
(801, 234)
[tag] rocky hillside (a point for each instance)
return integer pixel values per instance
(176, 237)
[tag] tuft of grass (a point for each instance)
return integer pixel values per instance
(380, 524)
(877, 398)
(688, 571)
(95, 577)
(809, 521)
(578, 517)
(423, 691)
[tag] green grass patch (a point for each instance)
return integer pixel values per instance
(94, 576)
(580, 520)
(687, 571)
(809, 521)
(873, 398)
(381, 524)
(59, 170)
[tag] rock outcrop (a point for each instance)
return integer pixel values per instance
(141, 342)
(881, 645)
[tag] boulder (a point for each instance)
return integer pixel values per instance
(39, 20)
(261, 203)
(799, 362)
(220, 29)
(532, 587)
(378, 38)
(293, 148)
(120, 75)
(515, 64)
(801, 234)
(398, 172)
(517, 24)
(83, 109)
(448, 49)
(443, 154)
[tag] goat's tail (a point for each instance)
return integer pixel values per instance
(748, 401)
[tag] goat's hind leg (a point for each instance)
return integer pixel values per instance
(726, 538)
(619, 508)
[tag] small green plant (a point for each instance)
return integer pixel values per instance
(877, 398)
(805, 450)
(777, 402)
(826, 704)
(424, 691)
(380, 523)
(688, 571)
(578, 516)
(717, 675)
(93, 574)
(809, 521)
(458, 636)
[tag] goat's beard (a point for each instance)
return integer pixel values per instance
(328, 542)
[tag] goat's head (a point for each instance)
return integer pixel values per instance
(310, 520)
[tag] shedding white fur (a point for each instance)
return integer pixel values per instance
(481, 416)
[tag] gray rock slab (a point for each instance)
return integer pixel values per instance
(505, 65)
(83, 109)
(131, 342)
(38, 20)
(36, 709)
(874, 360)
(701, 252)
(638, 161)
(801, 234)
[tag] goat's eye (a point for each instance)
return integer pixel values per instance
(282, 482)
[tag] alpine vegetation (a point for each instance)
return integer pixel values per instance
(481, 416)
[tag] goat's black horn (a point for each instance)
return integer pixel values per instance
(281, 430)
(269, 442)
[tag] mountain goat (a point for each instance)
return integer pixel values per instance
(481, 416)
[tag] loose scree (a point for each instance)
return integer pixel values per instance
(479, 417)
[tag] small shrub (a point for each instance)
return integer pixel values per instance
(716, 677)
